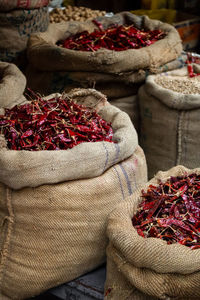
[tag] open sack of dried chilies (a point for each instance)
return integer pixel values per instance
(66, 161)
(92, 58)
(169, 124)
(154, 240)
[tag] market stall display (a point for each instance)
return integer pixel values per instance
(118, 74)
(54, 203)
(144, 265)
(169, 110)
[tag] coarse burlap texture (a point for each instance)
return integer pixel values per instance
(44, 54)
(169, 124)
(148, 268)
(20, 169)
(114, 86)
(130, 106)
(12, 85)
(16, 27)
(6, 5)
(54, 233)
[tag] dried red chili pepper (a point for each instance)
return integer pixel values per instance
(117, 38)
(171, 211)
(55, 124)
(192, 59)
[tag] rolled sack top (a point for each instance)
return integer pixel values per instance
(172, 99)
(45, 55)
(156, 254)
(20, 168)
(12, 85)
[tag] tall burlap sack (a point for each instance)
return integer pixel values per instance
(53, 208)
(12, 85)
(15, 29)
(6, 5)
(54, 233)
(148, 268)
(169, 126)
(47, 56)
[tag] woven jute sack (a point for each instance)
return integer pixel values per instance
(53, 210)
(112, 85)
(45, 167)
(148, 268)
(12, 85)
(169, 124)
(16, 27)
(115, 86)
(6, 5)
(47, 56)
(130, 106)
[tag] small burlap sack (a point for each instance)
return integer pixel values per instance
(44, 54)
(170, 122)
(53, 233)
(16, 27)
(6, 5)
(12, 85)
(147, 268)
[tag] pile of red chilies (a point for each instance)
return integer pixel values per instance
(117, 38)
(171, 211)
(192, 58)
(55, 124)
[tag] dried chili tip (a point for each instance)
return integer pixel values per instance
(108, 291)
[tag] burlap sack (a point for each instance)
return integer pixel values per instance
(148, 268)
(16, 27)
(34, 168)
(53, 233)
(112, 85)
(130, 106)
(169, 126)
(6, 5)
(47, 56)
(12, 85)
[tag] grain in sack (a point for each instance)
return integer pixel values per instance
(54, 204)
(169, 110)
(141, 268)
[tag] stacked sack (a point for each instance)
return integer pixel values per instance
(169, 111)
(141, 268)
(18, 20)
(54, 204)
(116, 73)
